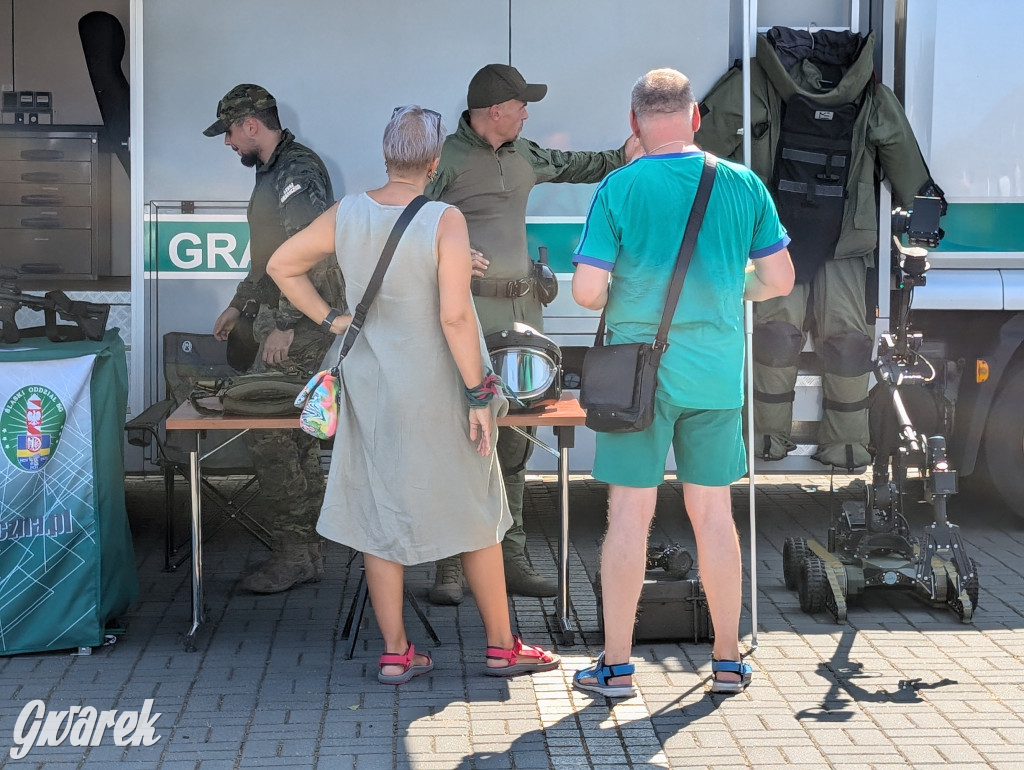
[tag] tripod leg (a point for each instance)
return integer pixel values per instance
(350, 630)
(355, 615)
(423, 618)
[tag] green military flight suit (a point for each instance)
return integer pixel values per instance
(292, 189)
(831, 69)
(491, 188)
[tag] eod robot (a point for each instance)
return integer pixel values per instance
(869, 544)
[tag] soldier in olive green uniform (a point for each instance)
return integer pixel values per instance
(292, 189)
(488, 171)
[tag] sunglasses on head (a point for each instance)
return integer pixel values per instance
(422, 109)
(435, 115)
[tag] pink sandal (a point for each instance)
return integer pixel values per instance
(538, 659)
(409, 670)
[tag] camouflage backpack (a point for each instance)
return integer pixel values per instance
(266, 394)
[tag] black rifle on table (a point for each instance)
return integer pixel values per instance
(90, 318)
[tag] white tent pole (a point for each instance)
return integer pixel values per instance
(749, 31)
(138, 393)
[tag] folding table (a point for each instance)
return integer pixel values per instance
(562, 417)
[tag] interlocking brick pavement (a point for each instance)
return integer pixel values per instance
(901, 684)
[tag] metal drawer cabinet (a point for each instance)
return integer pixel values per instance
(54, 202)
(46, 217)
(45, 148)
(65, 253)
(46, 171)
(14, 194)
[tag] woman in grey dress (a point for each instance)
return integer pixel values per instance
(413, 477)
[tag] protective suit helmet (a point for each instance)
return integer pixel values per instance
(529, 363)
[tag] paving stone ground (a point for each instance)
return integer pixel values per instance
(901, 684)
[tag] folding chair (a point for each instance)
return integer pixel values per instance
(186, 359)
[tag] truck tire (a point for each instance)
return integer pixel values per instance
(1004, 441)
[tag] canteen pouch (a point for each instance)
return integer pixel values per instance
(545, 283)
(617, 387)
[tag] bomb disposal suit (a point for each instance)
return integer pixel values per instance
(822, 130)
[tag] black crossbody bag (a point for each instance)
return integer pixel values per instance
(618, 381)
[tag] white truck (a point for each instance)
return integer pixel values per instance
(954, 64)
(964, 95)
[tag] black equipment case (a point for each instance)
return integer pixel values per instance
(673, 610)
(670, 610)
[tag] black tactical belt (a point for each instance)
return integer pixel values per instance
(500, 287)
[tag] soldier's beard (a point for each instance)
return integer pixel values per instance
(249, 159)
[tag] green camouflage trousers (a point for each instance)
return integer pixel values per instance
(287, 462)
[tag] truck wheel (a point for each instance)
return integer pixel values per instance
(1004, 442)
(793, 552)
(813, 584)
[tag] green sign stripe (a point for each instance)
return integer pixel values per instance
(983, 227)
(221, 247)
(198, 247)
(561, 239)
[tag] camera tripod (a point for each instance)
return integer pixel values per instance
(869, 542)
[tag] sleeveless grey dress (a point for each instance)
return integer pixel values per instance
(405, 484)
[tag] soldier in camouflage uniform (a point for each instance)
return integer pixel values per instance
(488, 171)
(292, 189)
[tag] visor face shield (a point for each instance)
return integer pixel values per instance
(528, 372)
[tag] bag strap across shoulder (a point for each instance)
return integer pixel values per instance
(693, 223)
(700, 207)
(359, 317)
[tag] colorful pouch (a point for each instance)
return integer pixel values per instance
(319, 401)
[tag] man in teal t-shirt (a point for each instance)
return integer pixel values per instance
(632, 235)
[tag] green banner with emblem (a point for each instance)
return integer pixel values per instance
(67, 566)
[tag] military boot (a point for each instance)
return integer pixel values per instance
(291, 563)
(316, 558)
(521, 579)
(447, 588)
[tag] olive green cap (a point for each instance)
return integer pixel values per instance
(497, 83)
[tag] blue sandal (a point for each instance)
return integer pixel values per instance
(601, 673)
(745, 671)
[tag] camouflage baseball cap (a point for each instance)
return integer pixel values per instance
(242, 100)
(497, 83)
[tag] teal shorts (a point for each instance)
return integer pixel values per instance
(708, 446)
